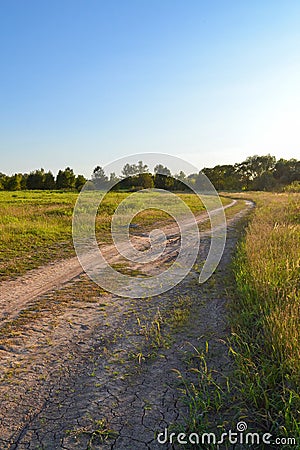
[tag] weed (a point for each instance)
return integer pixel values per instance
(265, 313)
(98, 432)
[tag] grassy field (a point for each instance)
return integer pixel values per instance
(36, 226)
(265, 315)
(263, 311)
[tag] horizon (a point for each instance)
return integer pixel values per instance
(84, 84)
(131, 161)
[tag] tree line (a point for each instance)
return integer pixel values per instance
(258, 173)
(255, 173)
(41, 180)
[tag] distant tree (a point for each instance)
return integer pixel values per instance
(80, 182)
(89, 186)
(253, 167)
(162, 170)
(192, 179)
(264, 182)
(145, 181)
(164, 182)
(99, 178)
(135, 182)
(163, 178)
(60, 180)
(129, 170)
(65, 179)
(257, 165)
(24, 181)
(287, 171)
(181, 176)
(35, 180)
(14, 182)
(141, 167)
(180, 181)
(3, 181)
(49, 181)
(224, 178)
(113, 179)
(255, 172)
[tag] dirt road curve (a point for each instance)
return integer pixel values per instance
(17, 294)
(83, 369)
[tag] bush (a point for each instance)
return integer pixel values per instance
(293, 187)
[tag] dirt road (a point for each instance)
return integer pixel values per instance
(83, 369)
(17, 294)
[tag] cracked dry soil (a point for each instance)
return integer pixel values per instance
(83, 369)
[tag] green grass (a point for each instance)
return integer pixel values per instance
(205, 397)
(265, 315)
(36, 226)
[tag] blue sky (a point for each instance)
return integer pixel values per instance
(85, 82)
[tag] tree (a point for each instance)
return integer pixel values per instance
(24, 181)
(3, 181)
(145, 181)
(257, 165)
(163, 178)
(49, 181)
(142, 168)
(164, 182)
(162, 170)
(35, 180)
(180, 176)
(14, 182)
(99, 178)
(65, 179)
(287, 171)
(80, 182)
(129, 170)
(224, 177)
(113, 179)
(265, 182)
(253, 167)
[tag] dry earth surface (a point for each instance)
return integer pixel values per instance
(83, 369)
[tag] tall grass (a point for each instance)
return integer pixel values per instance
(35, 227)
(265, 314)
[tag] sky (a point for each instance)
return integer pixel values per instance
(83, 83)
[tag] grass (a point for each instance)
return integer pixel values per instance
(97, 432)
(265, 314)
(36, 226)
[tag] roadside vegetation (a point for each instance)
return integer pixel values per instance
(265, 313)
(263, 386)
